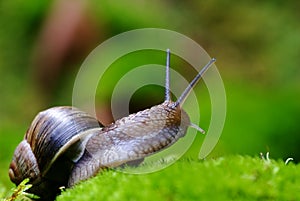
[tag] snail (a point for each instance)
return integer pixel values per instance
(64, 145)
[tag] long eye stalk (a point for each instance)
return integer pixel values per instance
(167, 84)
(189, 88)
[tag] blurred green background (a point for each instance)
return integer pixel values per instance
(257, 44)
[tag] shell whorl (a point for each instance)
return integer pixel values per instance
(24, 164)
(53, 128)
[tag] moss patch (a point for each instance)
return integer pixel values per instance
(229, 178)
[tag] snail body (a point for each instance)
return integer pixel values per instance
(64, 145)
(131, 138)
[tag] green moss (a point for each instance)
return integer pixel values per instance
(230, 178)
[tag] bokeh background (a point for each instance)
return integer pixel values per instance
(257, 44)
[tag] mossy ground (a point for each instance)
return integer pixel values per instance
(228, 178)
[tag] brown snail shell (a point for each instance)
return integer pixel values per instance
(51, 146)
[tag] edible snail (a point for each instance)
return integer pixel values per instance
(64, 145)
